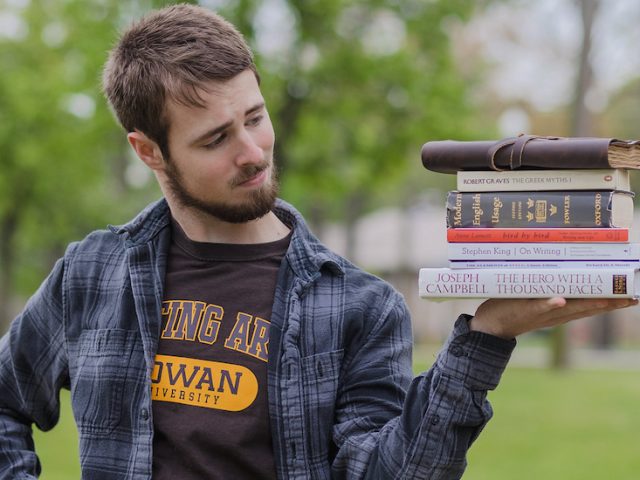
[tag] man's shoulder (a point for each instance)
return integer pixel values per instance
(101, 240)
(99, 252)
(368, 285)
(109, 243)
(313, 254)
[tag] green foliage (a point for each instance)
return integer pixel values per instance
(62, 156)
(354, 88)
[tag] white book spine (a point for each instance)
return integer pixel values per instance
(521, 180)
(444, 283)
(543, 264)
(543, 251)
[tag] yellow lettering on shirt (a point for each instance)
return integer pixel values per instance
(194, 321)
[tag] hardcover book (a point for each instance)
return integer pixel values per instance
(534, 209)
(519, 180)
(537, 235)
(543, 251)
(444, 283)
(527, 152)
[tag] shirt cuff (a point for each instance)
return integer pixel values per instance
(475, 358)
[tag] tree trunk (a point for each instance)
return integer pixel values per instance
(603, 337)
(580, 127)
(581, 119)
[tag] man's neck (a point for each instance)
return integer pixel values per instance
(201, 227)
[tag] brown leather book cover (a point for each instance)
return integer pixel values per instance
(529, 152)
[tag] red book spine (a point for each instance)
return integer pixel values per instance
(517, 235)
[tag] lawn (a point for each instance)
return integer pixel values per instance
(574, 425)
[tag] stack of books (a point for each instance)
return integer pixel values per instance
(536, 217)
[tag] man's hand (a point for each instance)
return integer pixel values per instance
(508, 318)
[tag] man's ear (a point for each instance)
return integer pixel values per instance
(146, 149)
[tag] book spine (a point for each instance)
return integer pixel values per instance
(470, 264)
(542, 251)
(537, 235)
(523, 180)
(574, 209)
(443, 283)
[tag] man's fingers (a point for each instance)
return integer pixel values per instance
(548, 305)
(589, 309)
(508, 318)
(598, 304)
(562, 305)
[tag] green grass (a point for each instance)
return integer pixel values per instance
(574, 425)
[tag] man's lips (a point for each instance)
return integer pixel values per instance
(254, 180)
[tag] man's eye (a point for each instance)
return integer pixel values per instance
(216, 141)
(254, 120)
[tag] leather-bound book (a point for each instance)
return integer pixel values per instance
(528, 152)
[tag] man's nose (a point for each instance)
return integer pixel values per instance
(249, 151)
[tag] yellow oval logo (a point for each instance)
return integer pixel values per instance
(218, 385)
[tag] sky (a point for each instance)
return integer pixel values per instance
(532, 47)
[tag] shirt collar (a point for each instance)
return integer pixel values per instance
(306, 254)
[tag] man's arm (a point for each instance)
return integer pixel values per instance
(33, 369)
(390, 427)
(428, 432)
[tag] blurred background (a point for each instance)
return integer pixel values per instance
(354, 89)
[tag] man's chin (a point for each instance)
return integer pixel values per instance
(246, 207)
(251, 210)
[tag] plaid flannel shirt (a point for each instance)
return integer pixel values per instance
(342, 401)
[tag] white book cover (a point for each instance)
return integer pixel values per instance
(543, 251)
(447, 283)
(522, 180)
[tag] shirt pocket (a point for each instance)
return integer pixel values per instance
(320, 377)
(103, 378)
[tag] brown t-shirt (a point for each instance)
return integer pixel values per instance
(209, 382)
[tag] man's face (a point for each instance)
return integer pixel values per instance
(221, 161)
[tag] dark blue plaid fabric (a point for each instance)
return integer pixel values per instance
(342, 400)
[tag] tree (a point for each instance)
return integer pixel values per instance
(354, 87)
(59, 146)
(354, 92)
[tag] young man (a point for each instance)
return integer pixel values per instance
(213, 336)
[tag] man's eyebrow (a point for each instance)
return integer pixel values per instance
(214, 131)
(255, 108)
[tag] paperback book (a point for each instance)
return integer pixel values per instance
(470, 264)
(543, 251)
(443, 283)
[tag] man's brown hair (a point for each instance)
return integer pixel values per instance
(169, 55)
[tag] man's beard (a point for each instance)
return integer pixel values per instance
(259, 203)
